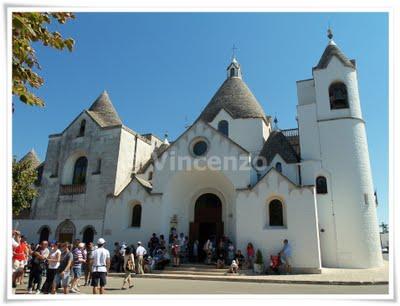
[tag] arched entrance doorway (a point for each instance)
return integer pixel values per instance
(207, 219)
(65, 231)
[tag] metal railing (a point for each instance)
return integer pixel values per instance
(290, 132)
(72, 189)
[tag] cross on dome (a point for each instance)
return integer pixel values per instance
(234, 52)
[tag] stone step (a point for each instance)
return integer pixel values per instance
(191, 276)
(193, 272)
(272, 279)
(197, 265)
(192, 269)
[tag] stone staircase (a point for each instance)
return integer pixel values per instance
(193, 271)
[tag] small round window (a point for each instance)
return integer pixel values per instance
(200, 148)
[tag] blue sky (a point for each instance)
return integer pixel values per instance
(160, 70)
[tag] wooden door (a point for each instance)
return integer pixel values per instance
(193, 231)
(65, 237)
(220, 230)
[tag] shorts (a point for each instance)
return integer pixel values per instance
(127, 273)
(77, 272)
(18, 265)
(99, 277)
(63, 279)
(287, 260)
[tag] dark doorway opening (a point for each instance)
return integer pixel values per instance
(88, 235)
(44, 234)
(207, 220)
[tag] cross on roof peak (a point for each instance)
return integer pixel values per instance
(234, 48)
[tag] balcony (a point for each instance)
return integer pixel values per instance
(290, 132)
(72, 189)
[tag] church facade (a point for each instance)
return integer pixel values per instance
(231, 173)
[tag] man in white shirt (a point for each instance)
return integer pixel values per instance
(140, 252)
(101, 264)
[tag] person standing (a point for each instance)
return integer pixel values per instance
(63, 275)
(20, 254)
(153, 244)
(101, 264)
(231, 251)
(286, 256)
(129, 267)
(250, 253)
(77, 268)
(207, 248)
(140, 252)
(195, 251)
(39, 257)
(175, 249)
(53, 264)
(89, 262)
(163, 243)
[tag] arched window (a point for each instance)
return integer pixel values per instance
(136, 215)
(223, 127)
(55, 170)
(321, 185)
(79, 177)
(232, 72)
(338, 95)
(88, 235)
(98, 167)
(39, 174)
(278, 167)
(82, 128)
(44, 234)
(275, 213)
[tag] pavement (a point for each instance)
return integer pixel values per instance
(375, 276)
(178, 286)
(207, 280)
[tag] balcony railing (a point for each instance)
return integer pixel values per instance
(72, 189)
(290, 132)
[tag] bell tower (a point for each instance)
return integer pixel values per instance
(335, 158)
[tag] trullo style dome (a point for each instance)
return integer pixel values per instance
(234, 97)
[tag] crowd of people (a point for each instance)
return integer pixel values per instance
(65, 265)
(61, 264)
(180, 250)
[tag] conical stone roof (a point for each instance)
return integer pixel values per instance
(333, 50)
(277, 143)
(236, 98)
(103, 111)
(32, 157)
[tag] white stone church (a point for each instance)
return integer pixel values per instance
(231, 173)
